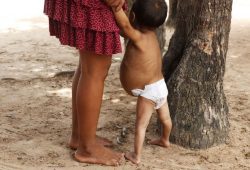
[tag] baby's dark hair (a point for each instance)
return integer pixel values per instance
(150, 13)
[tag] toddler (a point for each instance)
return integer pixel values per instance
(141, 69)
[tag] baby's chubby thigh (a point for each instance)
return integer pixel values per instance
(144, 110)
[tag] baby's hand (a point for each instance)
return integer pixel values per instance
(117, 4)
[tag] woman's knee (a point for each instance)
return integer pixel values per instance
(95, 66)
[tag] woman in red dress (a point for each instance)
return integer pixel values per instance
(88, 25)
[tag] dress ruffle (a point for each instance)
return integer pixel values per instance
(99, 42)
(84, 24)
(82, 14)
(95, 4)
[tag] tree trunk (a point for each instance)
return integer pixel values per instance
(161, 35)
(194, 68)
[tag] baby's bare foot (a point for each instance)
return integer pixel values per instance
(132, 157)
(73, 143)
(160, 142)
(99, 155)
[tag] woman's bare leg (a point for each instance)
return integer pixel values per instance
(73, 142)
(144, 112)
(94, 69)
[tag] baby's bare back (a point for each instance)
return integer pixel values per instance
(141, 66)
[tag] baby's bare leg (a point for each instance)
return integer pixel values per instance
(165, 119)
(144, 111)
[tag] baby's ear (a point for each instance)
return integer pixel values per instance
(132, 17)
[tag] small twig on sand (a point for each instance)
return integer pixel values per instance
(65, 73)
(8, 79)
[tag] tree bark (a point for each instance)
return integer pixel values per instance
(161, 35)
(194, 67)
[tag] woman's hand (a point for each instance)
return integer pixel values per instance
(117, 4)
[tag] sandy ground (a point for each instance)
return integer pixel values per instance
(35, 107)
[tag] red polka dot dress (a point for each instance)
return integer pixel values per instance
(84, 24)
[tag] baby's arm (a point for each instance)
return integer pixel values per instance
(128, 30)
(117, 4)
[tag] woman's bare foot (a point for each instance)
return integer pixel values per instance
(132, 157)
(160, 142)
(98, 154)
(73, 143)
(104, 141)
